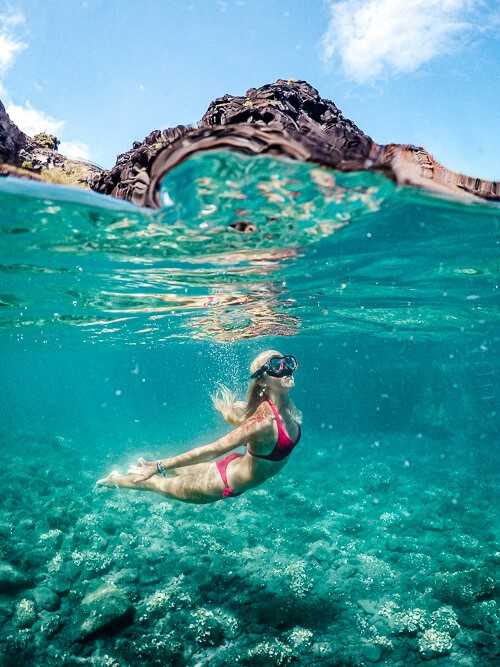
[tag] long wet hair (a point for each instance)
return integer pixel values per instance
(234, 411)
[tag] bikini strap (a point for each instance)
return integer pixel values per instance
(281, 428)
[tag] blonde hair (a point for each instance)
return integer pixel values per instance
(234, 411)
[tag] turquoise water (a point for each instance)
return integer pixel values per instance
(376, 544)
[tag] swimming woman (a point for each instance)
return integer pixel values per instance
(268, 425)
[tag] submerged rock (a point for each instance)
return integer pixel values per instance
(481, 615)
(25, 613)
(372, 652)
(434, 643)
(11, 579)
(376, 477)
(49, 624)
(104, 611)
(489, 641)
(46, 599)
(463, 588)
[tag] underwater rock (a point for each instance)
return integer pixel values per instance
(433, 643)
(105, 610)
(5, 609)
(102, 659)
(483, 615)
(438, 525)
(466, 545)
(46, 599)
(372, 652)
(462, 588)
(17, 649)
(206, 627)
(390, 519)
(269, 653)
(444, 619)
(349, 524)
(321, 551)
(489, 641)
(409, 622)
(11, 579)
(368, 606)
(376, 477)
(52, 539)
(25, 613)
(157, 650)
(59, 583)
(48, 624)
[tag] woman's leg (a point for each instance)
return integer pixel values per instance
(203, 487)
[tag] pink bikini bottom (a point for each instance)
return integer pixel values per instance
(222, 468)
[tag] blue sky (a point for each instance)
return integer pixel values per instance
(101, 74)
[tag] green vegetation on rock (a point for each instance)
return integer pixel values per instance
(70, 173)
(47, 140)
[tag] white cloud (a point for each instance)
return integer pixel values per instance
(26, 117)
(31, 121)
(10, 46)
(372, 38)
(77, 150)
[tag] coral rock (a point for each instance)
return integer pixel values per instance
(11, 579)
(105, 611)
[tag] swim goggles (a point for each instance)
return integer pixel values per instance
(277, 367)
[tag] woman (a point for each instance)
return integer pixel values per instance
(268, 424)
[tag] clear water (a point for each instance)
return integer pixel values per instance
(378, 542)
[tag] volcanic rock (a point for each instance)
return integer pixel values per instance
(27, 157)
(286, 118)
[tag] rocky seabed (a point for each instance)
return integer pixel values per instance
(371, 559)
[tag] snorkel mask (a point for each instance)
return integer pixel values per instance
(277, 367)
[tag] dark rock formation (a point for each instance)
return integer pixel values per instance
(284, 118)
(296, 110)
(287, 118)
(24, 156)
(12, 140)
(125, 177)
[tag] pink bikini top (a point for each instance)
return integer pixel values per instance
(284, 444)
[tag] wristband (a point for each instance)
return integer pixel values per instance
(160, 467)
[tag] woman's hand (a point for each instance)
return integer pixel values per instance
(143, 470)
(143, 462)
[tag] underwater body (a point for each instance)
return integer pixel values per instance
(378, 541)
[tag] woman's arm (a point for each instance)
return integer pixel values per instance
(246, 432)
(252, 428)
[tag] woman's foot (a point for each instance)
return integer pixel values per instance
(111, 480)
